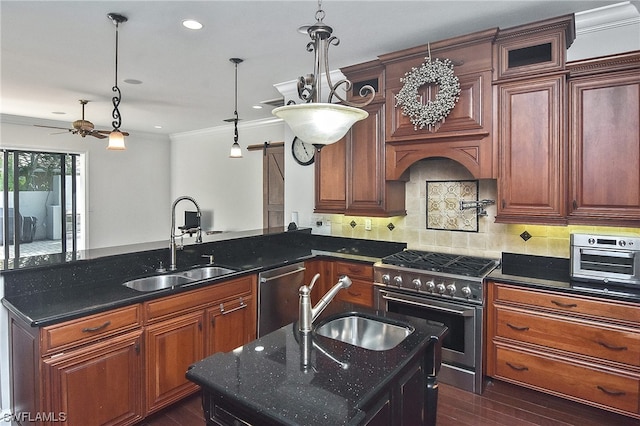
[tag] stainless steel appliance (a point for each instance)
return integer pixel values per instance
(445, 288)
(610, 263)
(278, 297)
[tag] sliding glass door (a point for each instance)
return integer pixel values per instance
(42, 204)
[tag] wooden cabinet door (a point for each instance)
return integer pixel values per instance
(331, 181)
(171, 346)
(324, 283)
(229, 325)
(605, 149)
(532, 179)
(100, 384)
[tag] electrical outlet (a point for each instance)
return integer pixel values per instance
(367, 224)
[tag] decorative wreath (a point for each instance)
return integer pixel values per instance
(433, 113)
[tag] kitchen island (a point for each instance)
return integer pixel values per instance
(288, 378)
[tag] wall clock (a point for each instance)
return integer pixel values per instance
(304, 153)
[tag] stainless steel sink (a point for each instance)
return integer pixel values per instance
(206, 272)
(376, 334)
(157, 282)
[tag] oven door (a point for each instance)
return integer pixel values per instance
(463, 344)
(622, 266)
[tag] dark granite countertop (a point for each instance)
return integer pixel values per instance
(51, 293)
(267, 375)
(548, 273)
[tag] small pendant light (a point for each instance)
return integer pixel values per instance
(236, 151)
(116, 137)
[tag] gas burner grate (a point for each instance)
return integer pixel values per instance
(441, 262)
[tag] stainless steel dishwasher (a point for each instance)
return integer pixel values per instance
(278, 297)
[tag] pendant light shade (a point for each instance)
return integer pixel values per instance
(116, 138)
(236, 151)
(318, 122)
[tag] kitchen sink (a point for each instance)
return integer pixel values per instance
(157, 282)
(206, 272)
(377, 334)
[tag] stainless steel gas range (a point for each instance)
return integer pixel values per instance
(445, 288)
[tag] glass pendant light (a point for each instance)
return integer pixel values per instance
(236, 151)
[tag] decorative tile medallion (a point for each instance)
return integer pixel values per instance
(443, 205)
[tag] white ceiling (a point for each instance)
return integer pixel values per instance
(57, 52)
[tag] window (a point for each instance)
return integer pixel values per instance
(42, 205)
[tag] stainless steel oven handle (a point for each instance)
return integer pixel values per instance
(463, 312)
(605, 253)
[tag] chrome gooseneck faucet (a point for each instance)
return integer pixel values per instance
(309, 314)
(172, 237)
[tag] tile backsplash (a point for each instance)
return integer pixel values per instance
(490, 240)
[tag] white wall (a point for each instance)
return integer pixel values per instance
(125, 190)
(228, 190)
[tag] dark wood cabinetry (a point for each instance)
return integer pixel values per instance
(582, 348)
(350, 174)
(361, 289)
(532, 147)
(116, 367)
(604, 141)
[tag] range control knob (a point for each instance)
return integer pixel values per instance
(430, 286)
(440, 288)
(466, 291)
(622, 243)
(386, 279)
(417, 283)
(397, 280)
(451, 289)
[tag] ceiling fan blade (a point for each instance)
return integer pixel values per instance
(52, 127)
(96, 135)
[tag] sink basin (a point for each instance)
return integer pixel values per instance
(376, 334)
(157, 282)
(206, 272)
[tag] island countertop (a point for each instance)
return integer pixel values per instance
(268, 376)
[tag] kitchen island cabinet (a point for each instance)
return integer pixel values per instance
(290, 378)
(579, 347)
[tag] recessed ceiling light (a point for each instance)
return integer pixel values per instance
(257, 107)
(157, 127)
(132, 81)
(192, 24)
(58, 112)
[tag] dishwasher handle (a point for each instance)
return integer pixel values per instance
(286, 274)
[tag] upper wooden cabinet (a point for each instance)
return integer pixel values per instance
(350, 174)
(604, 141)
(532, 147)
(532, 49)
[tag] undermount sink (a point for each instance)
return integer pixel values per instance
(192, 276)
(376, 334)
(157, 282)
(206, 272)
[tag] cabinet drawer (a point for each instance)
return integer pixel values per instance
(585, 306)
(180, 303)
(358, 270)
(88, 329)
(615, 389)
(360, 292)
(614, 344)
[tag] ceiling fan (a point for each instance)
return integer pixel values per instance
(84, 127)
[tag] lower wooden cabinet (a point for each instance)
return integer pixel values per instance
(98, 384)
(582, 348)
(361, 289)
(116, 367)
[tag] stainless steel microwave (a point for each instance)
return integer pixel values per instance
(605, 259)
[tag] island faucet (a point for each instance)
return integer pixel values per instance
(172, 237)
(309, 314)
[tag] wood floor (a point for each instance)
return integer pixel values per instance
(500, 404)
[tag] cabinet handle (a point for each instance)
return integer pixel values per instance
(504, 204)
(354, 294)
(518, 367)
(575, 205)
(611, 392)
(242, 306)
(564, 305)
(98, 328)
(515, 327)
(137, 348)
(612, 347)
